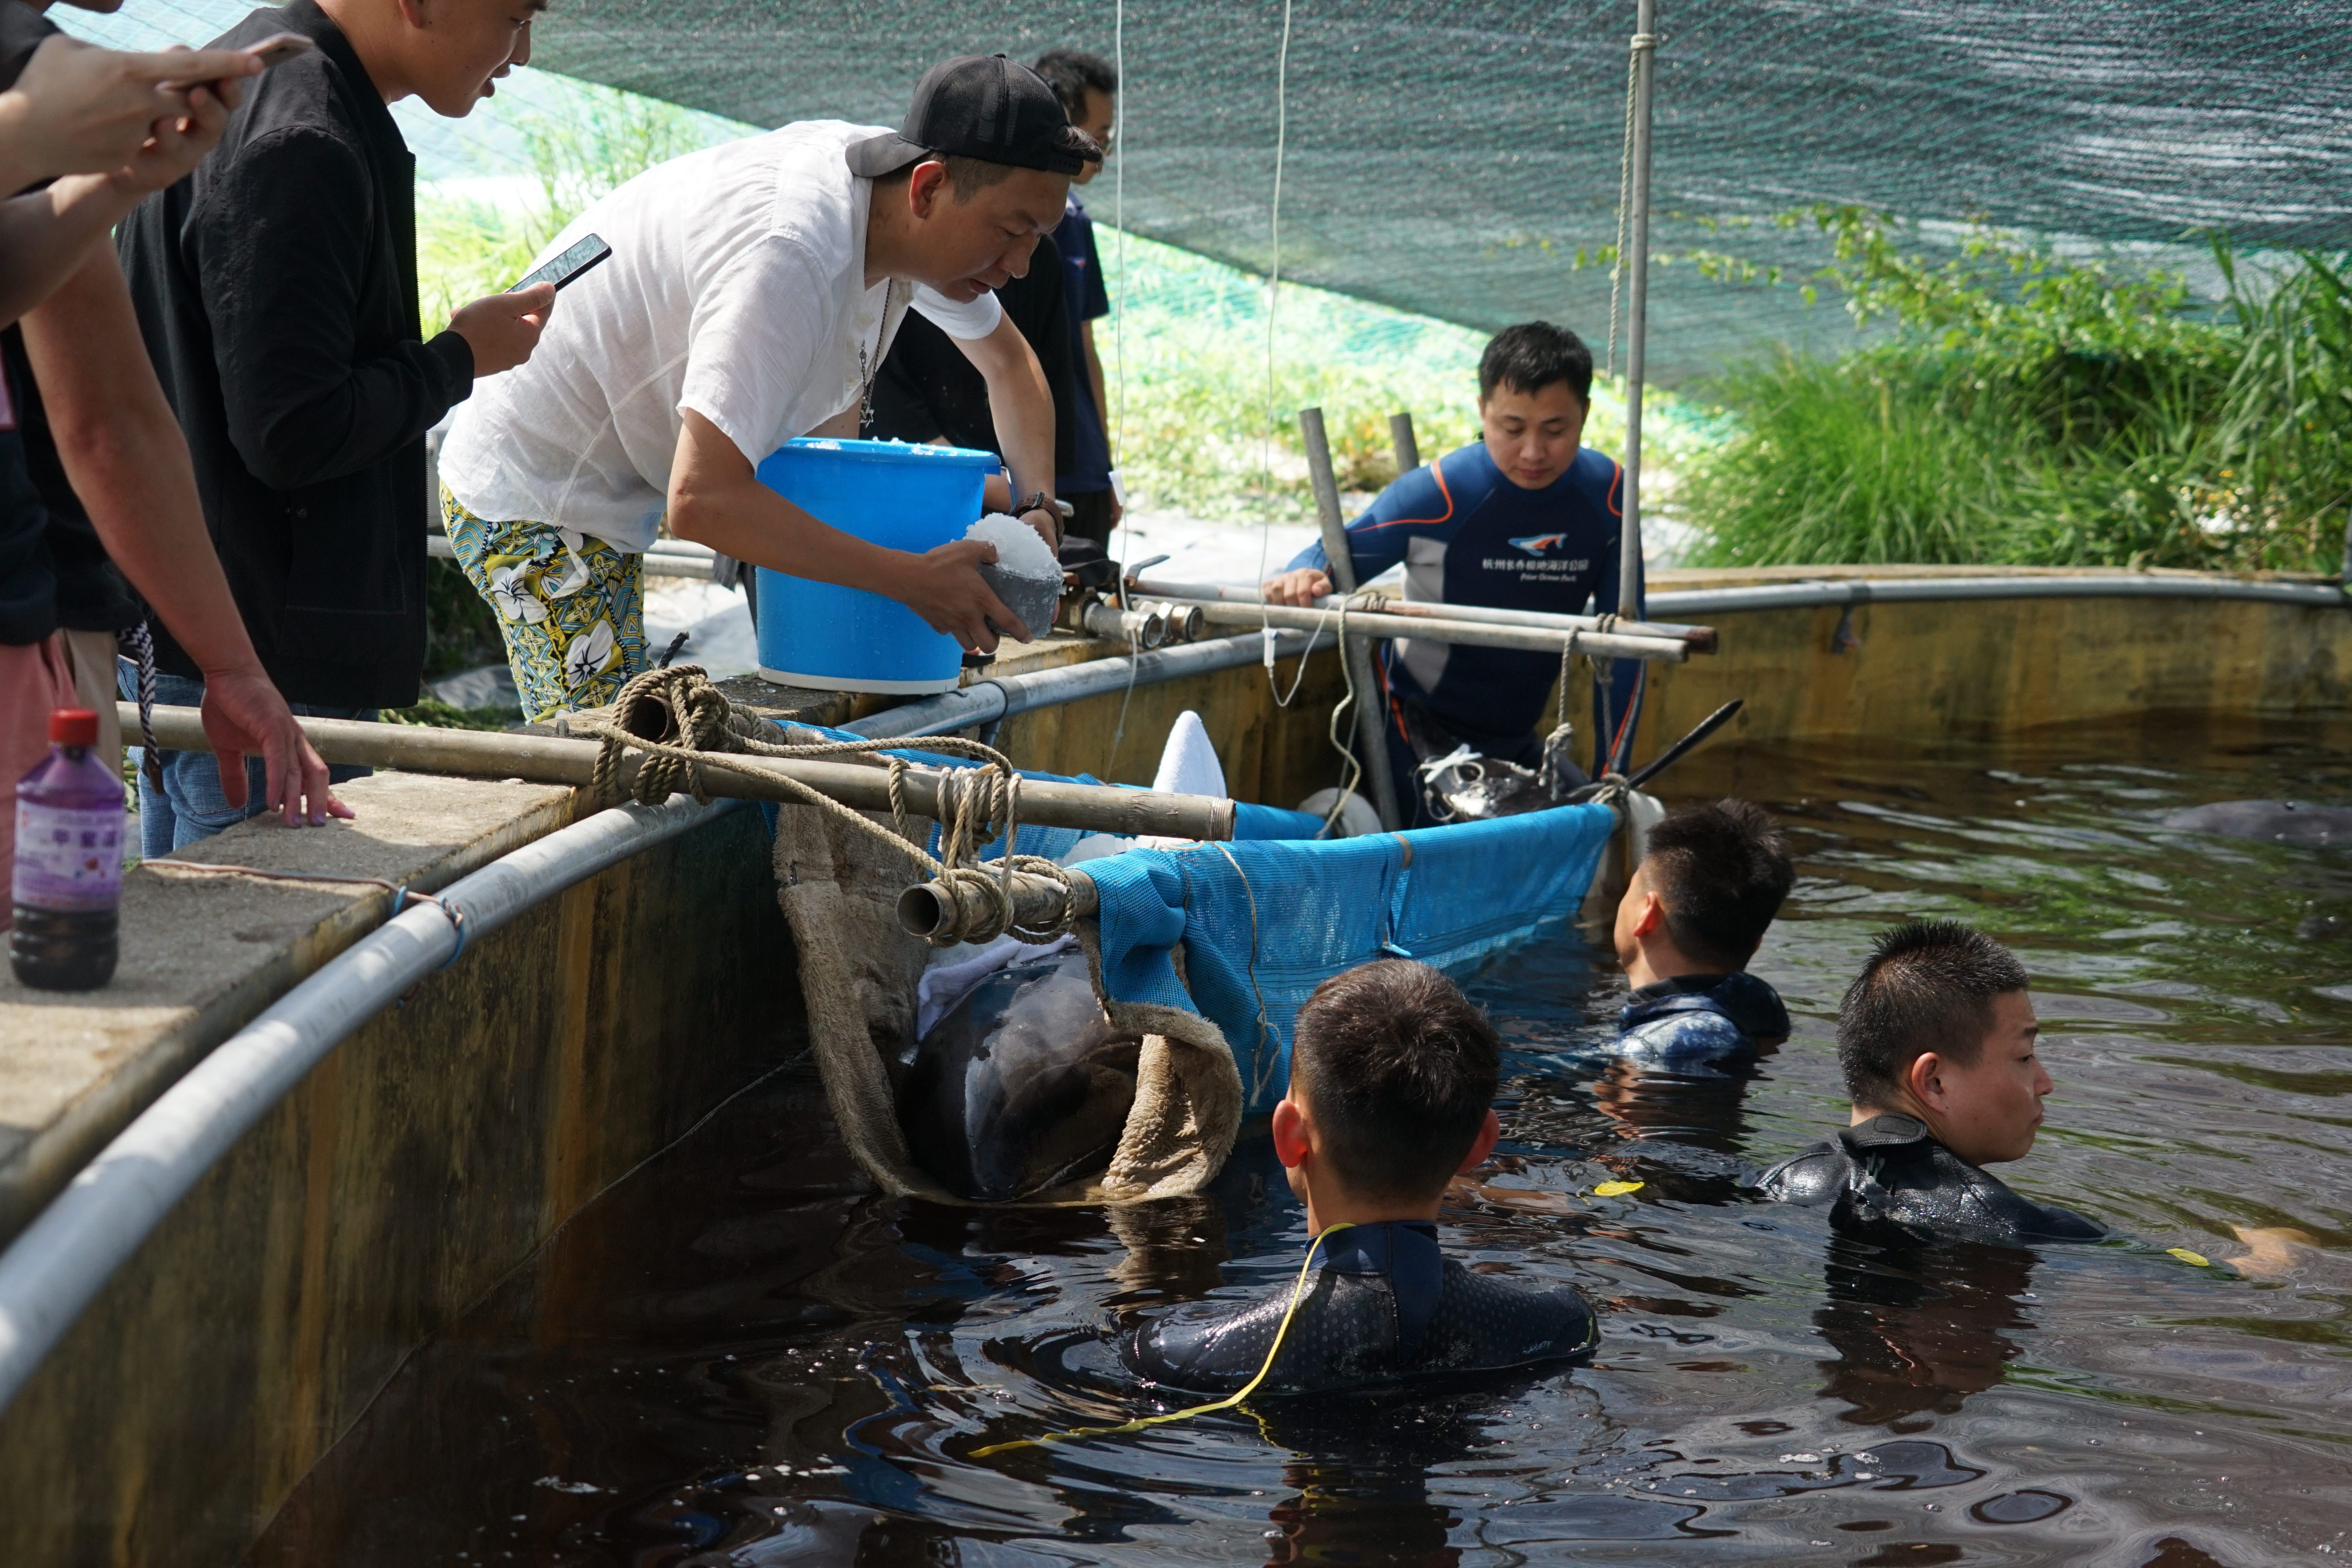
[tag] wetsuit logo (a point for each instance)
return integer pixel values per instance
(1540, 544)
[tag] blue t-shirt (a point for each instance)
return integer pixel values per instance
(1089, 301)
(1468, 535)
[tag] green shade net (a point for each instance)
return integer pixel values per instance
(1453, 159)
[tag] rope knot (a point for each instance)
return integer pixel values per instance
(680, 723)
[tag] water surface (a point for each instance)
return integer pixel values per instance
(740, 1356)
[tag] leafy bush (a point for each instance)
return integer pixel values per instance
(2034, 408)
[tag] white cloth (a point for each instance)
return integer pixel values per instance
(736, 288)
(954, 971)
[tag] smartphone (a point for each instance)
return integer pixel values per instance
(279, 49)
(567, 266)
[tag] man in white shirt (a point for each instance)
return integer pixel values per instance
(751, 294)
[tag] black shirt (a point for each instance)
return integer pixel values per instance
(277, 291)
(928, 391)
(29, 583)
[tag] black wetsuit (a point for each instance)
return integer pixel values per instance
(1888, 1177)
(1385, 1305)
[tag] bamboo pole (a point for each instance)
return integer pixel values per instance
(1701, 639)
(944, 911)
(1370, 729)
(864, 784)
(1431, 628)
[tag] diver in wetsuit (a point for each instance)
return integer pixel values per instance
(1523, 519)
(1392, 1077)
(1693, 915)
(1937, 1040)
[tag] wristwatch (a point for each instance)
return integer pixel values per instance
(1042, 502)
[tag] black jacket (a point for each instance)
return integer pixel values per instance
(276, 289)
(1889, 1181)
(1386, 1306)
(927, 390)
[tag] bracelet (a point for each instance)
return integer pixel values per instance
(1040, 502)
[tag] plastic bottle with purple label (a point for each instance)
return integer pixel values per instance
(68, 872)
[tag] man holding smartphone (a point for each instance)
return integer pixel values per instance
(276, 291)
(752, 293)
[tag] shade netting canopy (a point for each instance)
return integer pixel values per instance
(1454, 158)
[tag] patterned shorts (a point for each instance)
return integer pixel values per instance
(572, 607)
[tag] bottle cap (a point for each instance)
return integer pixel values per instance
(73, 727)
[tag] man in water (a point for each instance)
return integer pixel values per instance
(1691, 918)
(1938, 1041)
(1392, 1076)
(1523, 518)
(751, 296)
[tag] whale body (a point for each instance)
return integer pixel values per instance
(2270, 822)
(1025, 1084)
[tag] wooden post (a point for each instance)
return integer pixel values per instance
(1408, 449)
(1371, 732)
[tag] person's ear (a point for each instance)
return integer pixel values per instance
(413, 13)
(1290, 1132)
(1489, 1131)
(1651, 916)
(1924, 1079)
(925, 188)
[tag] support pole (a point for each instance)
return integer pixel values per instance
(1371, 732)
(1408, 449)
(1637, 266)
(861, 783)
(1439, 629)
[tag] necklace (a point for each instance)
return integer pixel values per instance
(869, 366)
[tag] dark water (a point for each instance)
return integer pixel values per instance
(740, 1357)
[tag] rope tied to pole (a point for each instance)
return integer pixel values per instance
(694, 727)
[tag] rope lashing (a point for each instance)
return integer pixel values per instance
(694, 728)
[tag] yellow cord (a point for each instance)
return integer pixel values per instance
(1297, 1294)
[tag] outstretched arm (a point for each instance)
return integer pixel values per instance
(1023, 408)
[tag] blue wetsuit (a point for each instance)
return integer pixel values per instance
(1694, 1018)
(1467, 535)
(1386, 1304)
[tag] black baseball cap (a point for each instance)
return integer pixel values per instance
(977, 106)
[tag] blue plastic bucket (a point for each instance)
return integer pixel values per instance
(888, 493)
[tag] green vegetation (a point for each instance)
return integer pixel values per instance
(2029, 407)
(590, 141)
(1199, 406)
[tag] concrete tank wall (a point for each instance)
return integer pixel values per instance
(431, 1154)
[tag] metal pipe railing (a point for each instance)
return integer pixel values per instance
(1932, 590)
(985, 701)
(667, 558)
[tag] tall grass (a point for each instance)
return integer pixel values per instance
(2033, 408)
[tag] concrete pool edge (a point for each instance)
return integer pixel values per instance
(421, 1162)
